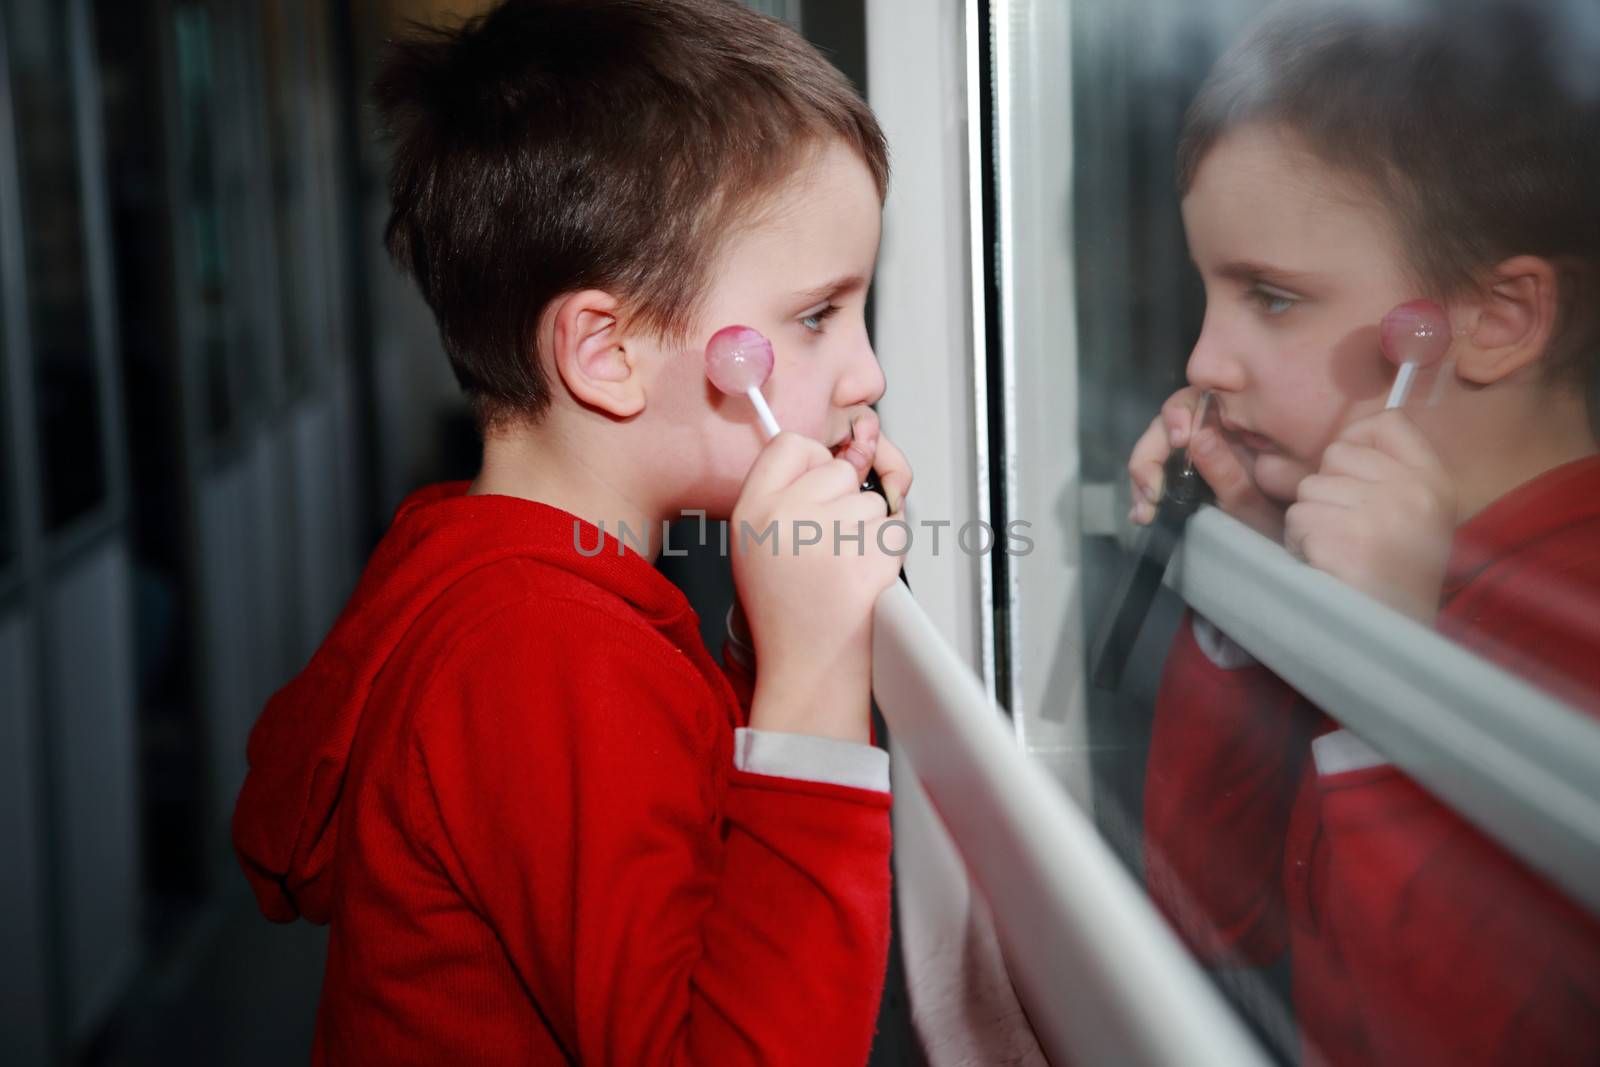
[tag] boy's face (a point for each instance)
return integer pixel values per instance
(1299, 269)
(798, 272)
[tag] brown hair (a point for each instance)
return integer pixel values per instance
(548, 146)
(1474, 122)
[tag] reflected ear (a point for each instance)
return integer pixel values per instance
(1512, 321)
(590, 355)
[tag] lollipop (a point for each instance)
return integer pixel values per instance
(738, 361)
(1414, 335)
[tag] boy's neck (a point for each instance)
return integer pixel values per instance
(1505, 445)
(544, 464)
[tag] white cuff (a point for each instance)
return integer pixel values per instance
(1222, 650)
(1343, 751)
(811, 759)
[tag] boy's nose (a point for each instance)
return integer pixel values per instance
(1213, 365)
(862, 381)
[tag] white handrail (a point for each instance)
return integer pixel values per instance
(1073, 921)
(1518, 763)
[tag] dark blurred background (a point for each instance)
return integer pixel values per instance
(216, 390)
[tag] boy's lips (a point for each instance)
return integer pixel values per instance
(1249, 438)
(1256, 443)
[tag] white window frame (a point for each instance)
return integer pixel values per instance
(1102, 976)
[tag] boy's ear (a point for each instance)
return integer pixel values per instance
(1513, 321)
(590, 354)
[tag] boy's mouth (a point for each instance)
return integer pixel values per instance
(1248, 438)
(1255, 442)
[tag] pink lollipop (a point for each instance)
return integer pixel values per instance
(739, 361)
(1415, 335)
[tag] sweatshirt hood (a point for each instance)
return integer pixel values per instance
(286, 818)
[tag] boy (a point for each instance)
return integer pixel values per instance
(543, 828)
(1341, 161)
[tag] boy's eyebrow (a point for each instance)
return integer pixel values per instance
(1244, 270)
(848, 283)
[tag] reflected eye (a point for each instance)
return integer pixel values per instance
(1273, 301)
(813, 319)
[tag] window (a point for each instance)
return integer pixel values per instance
(8, 532)
(65, 371)
(221, 349)
(1357, 822)
(286, 123)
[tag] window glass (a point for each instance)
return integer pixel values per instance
(8, 533)
(284, 75)
(325, 182)
(205, 226)
(66, 375)
(1348, 163)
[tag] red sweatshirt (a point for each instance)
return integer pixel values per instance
(507, 780)
(1413, 939)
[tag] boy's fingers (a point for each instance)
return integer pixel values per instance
(1177, 416)
(828, 482)
(1145, 463)
(1301, 521)
(864, 443)
(1312, 532)
(1394, 434)
(1235, 489)
(894, 472)
(782, 462)
(1296, 527)
(864, 507)
(1334, 489)
(1221, 468)
(1349, 459)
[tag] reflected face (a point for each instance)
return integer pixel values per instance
(1300, 265)
(799, 274)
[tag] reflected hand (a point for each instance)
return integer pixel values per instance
(1380, 514)
(1215, 459)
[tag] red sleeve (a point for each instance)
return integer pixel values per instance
(1226, 752)
(741, 677)
(1460, 953)
(657, 910)
(1456, 952)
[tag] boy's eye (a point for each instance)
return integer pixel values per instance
(813, 319)
(1273, 301)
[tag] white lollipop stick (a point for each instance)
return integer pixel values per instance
(769, 425)
(1402, 385)
(1415, 334)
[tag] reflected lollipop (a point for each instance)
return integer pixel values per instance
(738, 361)
(1415, 335)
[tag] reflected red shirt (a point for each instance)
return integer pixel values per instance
(1413, 938)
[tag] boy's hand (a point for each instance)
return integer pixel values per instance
(810, 605)
(1214, 458)
(870, 449)
(1380, 514)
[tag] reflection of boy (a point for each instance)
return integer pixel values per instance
(512, 778)
(1337, 163)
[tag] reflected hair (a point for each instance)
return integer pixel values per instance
(549, 146)
(1475, 123)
